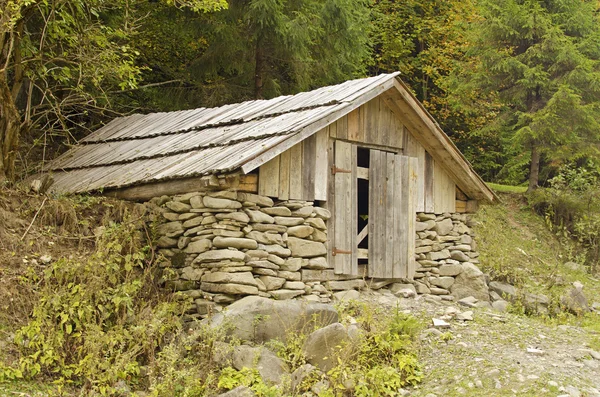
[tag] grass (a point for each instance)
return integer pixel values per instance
(507, 188)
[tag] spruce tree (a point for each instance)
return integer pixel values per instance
(541, 60)
(264, 48)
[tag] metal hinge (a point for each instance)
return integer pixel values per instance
(336, 251)
(335, 170)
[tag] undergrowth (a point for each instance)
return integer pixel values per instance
(97, 321)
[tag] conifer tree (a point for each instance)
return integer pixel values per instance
(541, 60)
(263, 48)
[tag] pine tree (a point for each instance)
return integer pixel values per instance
(541, 60)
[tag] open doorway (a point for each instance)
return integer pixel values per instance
(362, 197)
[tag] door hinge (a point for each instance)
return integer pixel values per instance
(336, 251)
(336, 170)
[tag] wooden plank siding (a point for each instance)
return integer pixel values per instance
(392, 191)
(444, 191)
(299, 173)
(302, 171)
(344, 248)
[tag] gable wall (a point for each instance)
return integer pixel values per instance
(303, 171)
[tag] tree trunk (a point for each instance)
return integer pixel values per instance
(534, 169)
(10, 128)
(259, 69)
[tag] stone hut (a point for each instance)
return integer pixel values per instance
(339, 188)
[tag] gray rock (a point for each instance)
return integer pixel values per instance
(321, 346)
(470, 282)
(270, 367)
(220, 203)
(231, 289)
(505, 290)
(272, 283)
(283, 294)
(317, 223)
(465, 316)
(262, 201)
(459, 256)
(178, 207)
(420, 226)
(259, 217)
(291, 276)
(304, 212)
(169, 228)
(301, 231)
(306, 249)
(296, 285)
(263, 264)
(443, 227)
(293, 264)
(322, 213)
(439, 255)
(193, 222)
(234, 216)
(346, 295)
(261, 319)
(536, 302)
(191, 273)
(403, 290)
(346, 285)
(442, 282)
(286, 221)
(276, 249)
(277, 211)
(450, 270)
(166, 242)
(319, 235)
(575, 301)
(422, 288)
(265, 238)
(245, 278)
(469, 301)
(204, 306)
(500, 306)
(426, 217)
(233, 242)
(240, 391)
(220, 255)
(317, 263)
(198, 246)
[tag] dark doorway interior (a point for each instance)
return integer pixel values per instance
(362, 196)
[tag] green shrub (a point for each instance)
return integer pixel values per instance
(97, 320)
(571, 207)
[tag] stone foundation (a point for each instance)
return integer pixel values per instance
(221, 246)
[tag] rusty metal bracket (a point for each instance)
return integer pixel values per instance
(336, 251)
(336, 170)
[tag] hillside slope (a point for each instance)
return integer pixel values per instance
(486, 356)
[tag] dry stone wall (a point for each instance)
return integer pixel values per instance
(223, 245)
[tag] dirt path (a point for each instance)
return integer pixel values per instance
(489, 356)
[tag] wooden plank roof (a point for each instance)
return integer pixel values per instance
(140, 149)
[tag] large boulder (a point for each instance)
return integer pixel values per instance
(260, 319)
(321, 347)
(575, 301)
(270, 367)
(505, 290)
(470, 282)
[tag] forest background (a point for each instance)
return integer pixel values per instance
(515, 83)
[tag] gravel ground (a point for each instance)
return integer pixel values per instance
(498, 354)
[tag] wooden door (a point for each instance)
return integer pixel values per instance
(344, 246)
(392, 203)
